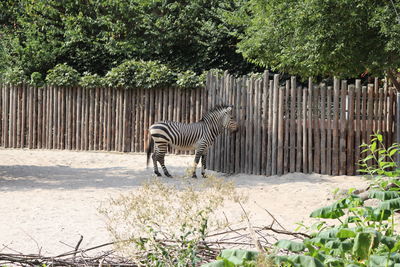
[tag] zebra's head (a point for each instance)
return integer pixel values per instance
(222, 115)
(228, 121)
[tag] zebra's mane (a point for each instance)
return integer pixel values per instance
(215, 109)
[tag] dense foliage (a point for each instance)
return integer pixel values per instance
(312, 37)
(94, 36)
(364, 233)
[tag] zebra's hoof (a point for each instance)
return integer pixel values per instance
(194, 176)
(204, 175)
(168, 175)
(158, 174)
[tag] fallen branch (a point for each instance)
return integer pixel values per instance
(251, 237)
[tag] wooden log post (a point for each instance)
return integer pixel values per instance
(398, 127)
(275, 125)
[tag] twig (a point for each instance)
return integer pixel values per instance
(295, 234)
(252, 232)
(77, 246)
(272, 216)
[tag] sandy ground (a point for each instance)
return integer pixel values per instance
(49, 198)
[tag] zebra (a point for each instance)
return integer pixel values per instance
(198, 136)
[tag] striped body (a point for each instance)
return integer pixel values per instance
(197, 136)
(181, 136)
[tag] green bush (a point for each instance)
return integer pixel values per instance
(14, 76)
(36, 79)
(140, 74)
(189, 79)
(62, 75)
(89, 80)
(363, 234)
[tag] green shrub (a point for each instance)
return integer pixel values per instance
(189, 79)
(62, 75)
(165, 224)
(36, 79)
(14, 76)
(140, 74)
(361, 235)
(216, 72)
(89, 80)
(364, 235)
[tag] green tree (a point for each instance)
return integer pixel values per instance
(96, 35)
(321, 37)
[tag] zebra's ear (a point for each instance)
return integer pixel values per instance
(229, 108)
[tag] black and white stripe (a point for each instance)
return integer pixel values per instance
(197, 136)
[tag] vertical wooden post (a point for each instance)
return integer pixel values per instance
(299, 133)
(370, 111)
(323, 129)
(310, 126)
(358, 120)
(306, 168)
(269, 127)
(275, 125)
(292, 131)
(335, 135)
(109, 120)
(287, 122)
(249, 128)
(280, 131)
(243, 115)
(316, 126)
(329, 131)
(40, 116)
(398, 126)
(391, 130)
(350, 133)
(343, 130)
(264, 122)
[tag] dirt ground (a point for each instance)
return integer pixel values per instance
(49, 198)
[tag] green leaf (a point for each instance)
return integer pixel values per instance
(392, 152)
(219, 263)
(345, 233)
(378, 214)
(305, 261)
(237, 256)
(392, 204)
(332, 261)
(329, 212)
(388, 241)
(373, 147)
(290, 245)
(363, 244)
(396, 247)
(329, 233)
(384, 195)
(298, 260)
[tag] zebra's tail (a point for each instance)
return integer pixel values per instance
(149, 149)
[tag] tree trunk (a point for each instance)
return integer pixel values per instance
(393, 77)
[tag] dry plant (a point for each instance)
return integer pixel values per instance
(165, 224)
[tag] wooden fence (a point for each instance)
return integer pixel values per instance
(289, 128)
(284, 127)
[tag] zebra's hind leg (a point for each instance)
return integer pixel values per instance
(161, 158)
(154, 157)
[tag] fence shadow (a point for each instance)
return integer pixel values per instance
(31, 177)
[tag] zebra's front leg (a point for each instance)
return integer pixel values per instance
(199, 153)
(203, 164)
